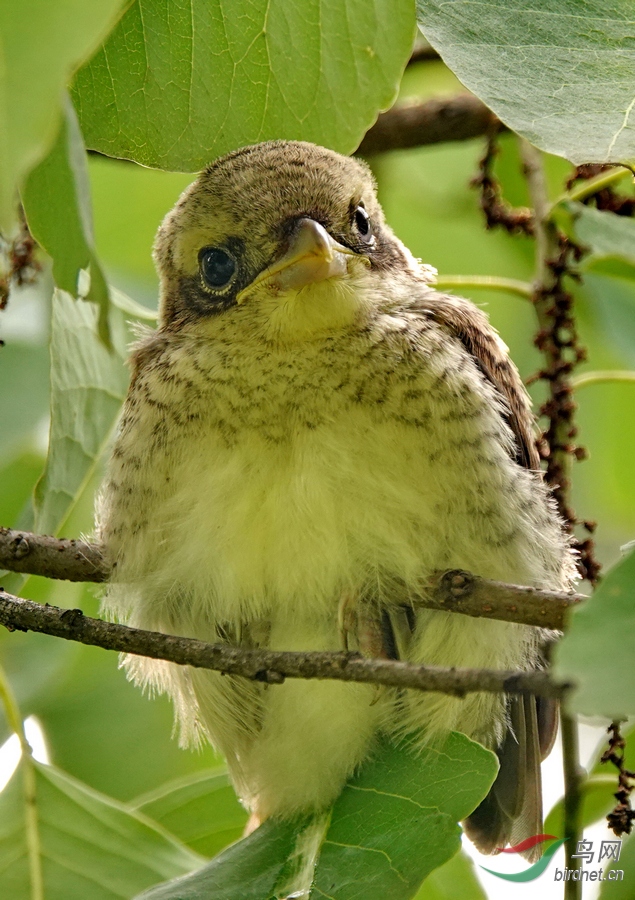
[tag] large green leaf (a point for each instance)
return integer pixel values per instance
(183, 81)
(597, 650)
(392, 825)
(202, 810)
(56, 199)
(90, 846)
(560, 73)
(88, 384)
(41, 43)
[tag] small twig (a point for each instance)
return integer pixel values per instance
(594, 185)
(453, 591)
(580, 381)
(435, 121)
(462, 592)
(485, 282)
(496, 210)
(603, 198)
(267, 666)
(573, 776)
(557, 340)
(620, 820)
(20, 265)
(39, 554)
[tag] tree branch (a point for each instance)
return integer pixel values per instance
(39, 554)
(435, 121)
(453, 591)
(269, 666)
(462, 592)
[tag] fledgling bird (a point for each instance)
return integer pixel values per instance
(310, 433)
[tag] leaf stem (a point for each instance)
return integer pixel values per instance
(32, 832)
(486, 282)
(593, 185)
(598, 377)
(573, 775)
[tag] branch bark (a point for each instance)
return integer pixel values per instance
(268, 666)
(40, 554)
(453, 591)
(435, 121)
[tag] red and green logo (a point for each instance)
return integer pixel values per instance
(538, 867)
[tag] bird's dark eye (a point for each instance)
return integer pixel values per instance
(363, 223)
(217, 266)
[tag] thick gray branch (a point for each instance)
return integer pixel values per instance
(265, 665)
(433, 122)
(454, 591)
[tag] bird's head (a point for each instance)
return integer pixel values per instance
(285, 239)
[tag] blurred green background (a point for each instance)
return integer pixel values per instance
(99, 727)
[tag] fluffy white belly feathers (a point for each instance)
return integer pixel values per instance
(261, 529)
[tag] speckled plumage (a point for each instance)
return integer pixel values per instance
(278, 454)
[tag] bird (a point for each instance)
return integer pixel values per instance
(309, 434)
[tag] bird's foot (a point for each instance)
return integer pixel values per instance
(360, 626)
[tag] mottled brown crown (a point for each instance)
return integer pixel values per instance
(250, 200)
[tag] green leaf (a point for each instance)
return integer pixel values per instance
(18, 475)
(91, 846)
(610, 300)
(392, 825)
(605, 234)
(183, 81)
(41, 43)
(88, 384)
(454, 880)
(561, 74)
(56, 199)
(202, 810)
(247, 870)
(24, 397)
(600, 635)
(597, 801)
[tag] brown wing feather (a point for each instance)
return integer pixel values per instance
(512, 810)
(467, 323)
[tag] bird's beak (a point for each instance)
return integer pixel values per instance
(312, 256)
